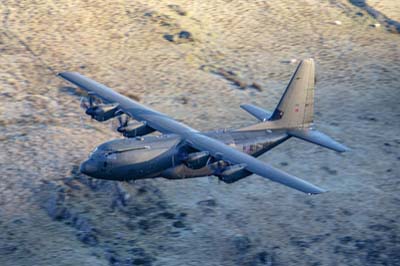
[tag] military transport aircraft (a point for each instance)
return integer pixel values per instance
(183, 152)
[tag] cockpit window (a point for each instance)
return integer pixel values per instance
(93, 152)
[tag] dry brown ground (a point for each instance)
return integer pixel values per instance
(388, 8)
(50, 215)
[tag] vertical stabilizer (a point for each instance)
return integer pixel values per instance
(296, 107)
(295, 111)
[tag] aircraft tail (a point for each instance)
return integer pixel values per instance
(295, 110)
(296, 107)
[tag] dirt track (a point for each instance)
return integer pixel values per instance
(51, 215)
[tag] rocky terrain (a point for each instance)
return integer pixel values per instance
(198, 62)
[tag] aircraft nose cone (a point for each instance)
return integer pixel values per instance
(88, 168)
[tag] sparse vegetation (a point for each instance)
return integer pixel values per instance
(52, 215)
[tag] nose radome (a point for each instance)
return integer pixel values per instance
(88, 167)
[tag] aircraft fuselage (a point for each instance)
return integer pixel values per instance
(167, 156)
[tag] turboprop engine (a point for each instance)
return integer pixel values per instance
(99, 111)
(103, 112)
(197, 160)
(133, 129)
(233, 173)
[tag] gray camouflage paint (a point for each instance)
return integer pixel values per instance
(183, 152)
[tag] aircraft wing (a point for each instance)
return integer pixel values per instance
(166, 124)
(139, 112)
(220, 150)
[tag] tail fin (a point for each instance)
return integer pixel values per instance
(295, 110)
(296, 107)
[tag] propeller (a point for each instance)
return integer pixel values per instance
(84, 103)
(89, 102)
(123, 121)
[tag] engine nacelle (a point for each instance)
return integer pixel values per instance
(197, 160)
(103, 112)
(135, 130)
(233, 173)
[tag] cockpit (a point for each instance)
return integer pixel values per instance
(93, 152)
(113, 153)
(122, 158)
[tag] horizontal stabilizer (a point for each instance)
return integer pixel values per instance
(318, 138)
(258, 112)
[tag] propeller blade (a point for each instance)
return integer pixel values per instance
(126, 120)
(84, 103)
(119, 126)
(114, 125)
(120, 120)
(123, 123)
(91, 100)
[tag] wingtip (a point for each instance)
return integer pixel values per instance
(346, 148)
(318, 191)
(62, 74)
(343, 148)
(314, 190)
(66, 73)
